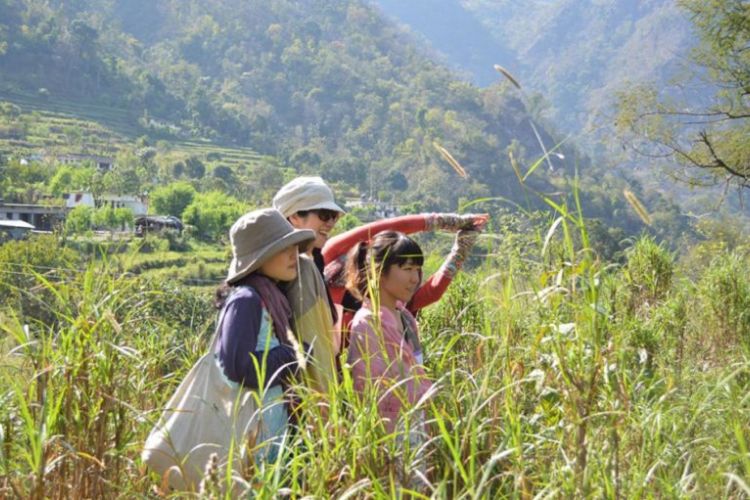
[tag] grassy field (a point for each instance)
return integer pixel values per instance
(558, 375)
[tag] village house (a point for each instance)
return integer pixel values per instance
(34, 158)
(42, 217)
(48, 217)
(14, 230)
(138, 204)
(374, 209)
(103, 163)
(157, 223)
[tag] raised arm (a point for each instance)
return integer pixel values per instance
(437, 284)
(408, 224)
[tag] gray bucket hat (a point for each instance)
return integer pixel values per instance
(305, 193)
(259, 235)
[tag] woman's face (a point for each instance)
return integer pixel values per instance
(282, 266)
(401, 281)
(321, 221)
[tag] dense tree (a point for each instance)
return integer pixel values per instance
(107, 217)
(69, 178)
(211, 214)
(195, 168)
(172, 199)
(330, 88)
(79, 220)
(709, 138)
(224, 173)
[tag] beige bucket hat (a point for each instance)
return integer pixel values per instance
(259, 235)
(305, 193)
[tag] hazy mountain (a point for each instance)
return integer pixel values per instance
(576, 54)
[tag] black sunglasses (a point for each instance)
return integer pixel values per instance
(323, 214)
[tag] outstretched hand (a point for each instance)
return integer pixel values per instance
(480, 221)
(455, 222)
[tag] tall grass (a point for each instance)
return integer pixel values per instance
(557, 375)
(78, 390)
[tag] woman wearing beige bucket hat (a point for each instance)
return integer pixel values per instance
(308, 203)
(255, 323)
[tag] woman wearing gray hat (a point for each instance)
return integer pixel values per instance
(256, 347)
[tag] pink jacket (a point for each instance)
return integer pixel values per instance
(380, 354)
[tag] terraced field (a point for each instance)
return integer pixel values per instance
(64, 126)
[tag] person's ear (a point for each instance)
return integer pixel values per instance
(296, 220)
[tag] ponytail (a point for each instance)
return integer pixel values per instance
(225, 289)
(356, 271)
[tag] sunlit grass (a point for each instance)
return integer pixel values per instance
(557, 374)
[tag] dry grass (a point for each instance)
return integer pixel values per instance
(634, 202)
(451, 160)
(507, 74)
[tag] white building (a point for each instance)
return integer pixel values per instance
(42, 217)
(375, 209)
(138, 204)
(14, 229)
(73, 200)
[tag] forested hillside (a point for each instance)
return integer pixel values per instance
(325, 87)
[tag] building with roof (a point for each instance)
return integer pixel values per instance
(157, 223)
(14, 230)
(103, 163)
(138, 204)
(43, 217)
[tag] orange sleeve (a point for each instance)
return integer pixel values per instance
(339, 245)
(430, 291)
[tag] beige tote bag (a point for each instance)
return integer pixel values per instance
(204, 416)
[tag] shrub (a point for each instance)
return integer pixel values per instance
(172, 199)
(725, 288)
(212, 214)
(648, 272)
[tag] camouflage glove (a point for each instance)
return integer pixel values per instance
(450, 222)
(462, 245)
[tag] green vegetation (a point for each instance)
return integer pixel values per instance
(212, 213)
(598, 344)
(559, 374)
(83, 219)
(172, 199)
(571, 56)
(318, 87)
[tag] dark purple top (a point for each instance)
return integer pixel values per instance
(238, 343)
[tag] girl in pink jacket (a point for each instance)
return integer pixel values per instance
(384, 348)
